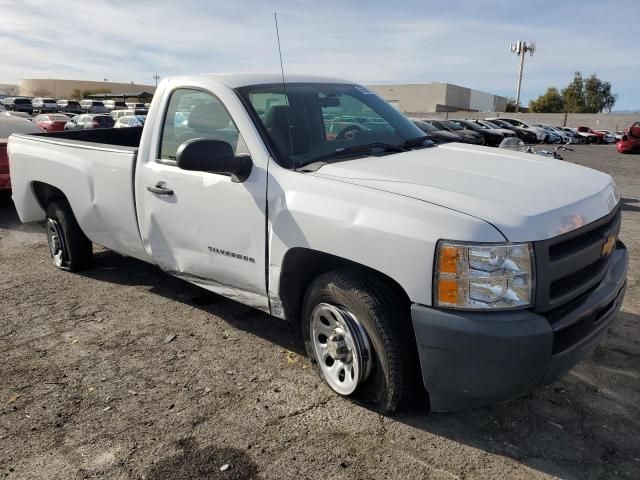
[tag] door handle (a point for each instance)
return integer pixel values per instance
(160, 188)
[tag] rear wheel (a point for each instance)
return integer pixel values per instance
(355, 330)
(69, 247)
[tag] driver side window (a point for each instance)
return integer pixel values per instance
(196, 114)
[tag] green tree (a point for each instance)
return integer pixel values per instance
(588, 96)
(511, 105)
(597, 95)
(573, 94)
(550, 102)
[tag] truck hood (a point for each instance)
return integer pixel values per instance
(527, 197)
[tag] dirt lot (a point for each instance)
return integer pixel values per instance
(125, 372)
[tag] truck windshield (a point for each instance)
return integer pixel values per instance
(306, 122)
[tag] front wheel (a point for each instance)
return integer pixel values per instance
(69, 247)
(355, 331)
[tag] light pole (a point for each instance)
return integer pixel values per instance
(156, 77)
(520, 48)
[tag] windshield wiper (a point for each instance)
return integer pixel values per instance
(375, 148)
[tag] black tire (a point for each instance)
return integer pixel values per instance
(76, 248)
(393, 381)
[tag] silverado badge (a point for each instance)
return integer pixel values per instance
(609, 245)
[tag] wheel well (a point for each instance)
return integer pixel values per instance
(301, 266)
(46, 193)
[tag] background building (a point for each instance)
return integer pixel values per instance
(439, 97)
(49, 87)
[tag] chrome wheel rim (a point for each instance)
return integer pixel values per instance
(341, 347)
(56, 242)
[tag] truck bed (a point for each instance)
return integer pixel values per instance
(94, 169)
(123, 137)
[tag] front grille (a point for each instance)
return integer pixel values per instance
(576, 279)
(571, 264)
(572, 245)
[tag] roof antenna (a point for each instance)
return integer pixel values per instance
(284, 91)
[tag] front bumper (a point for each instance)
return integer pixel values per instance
(470, 359)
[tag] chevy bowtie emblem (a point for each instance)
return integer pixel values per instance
(609, 245)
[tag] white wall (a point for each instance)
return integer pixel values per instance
(481, 101)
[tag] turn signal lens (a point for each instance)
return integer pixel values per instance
(449, 256)
(448, 291)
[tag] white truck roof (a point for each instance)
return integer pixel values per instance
(236, 80)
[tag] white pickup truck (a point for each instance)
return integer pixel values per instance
(476, 272)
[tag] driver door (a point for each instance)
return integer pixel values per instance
(201, 226)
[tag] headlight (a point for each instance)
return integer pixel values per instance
(482, 276)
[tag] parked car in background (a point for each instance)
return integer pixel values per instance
(527, 136)
(115, 114)
(18, 104)
(464, 134)
(114, 105)
(92, 106)
(565, 137)
(630, 141)
(609, 137)
(130, 121)
(492, 126)
(541, 133)
(553, 135)
(491, 137)
(586, 136)
(69, 106)
(599, 137)
(44, 105)
(617, 135)
(134, 105)
(51, 122)
(9, 113)
(89, 120)
(9, 125)
(433, 134)
(575, 136)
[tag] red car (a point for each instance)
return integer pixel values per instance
(599, 135)
(51, 122)
(630, 140)
(9, 125)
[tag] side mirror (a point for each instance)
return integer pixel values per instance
(215, 156)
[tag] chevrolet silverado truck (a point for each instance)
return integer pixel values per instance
(477, 273)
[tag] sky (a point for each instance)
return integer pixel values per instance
(461, 42)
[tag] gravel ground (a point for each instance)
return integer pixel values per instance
(125, 372)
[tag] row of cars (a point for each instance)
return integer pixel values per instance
(40, 105)
(56, 122)
(492, 131)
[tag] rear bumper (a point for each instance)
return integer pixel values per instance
(470, 359)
